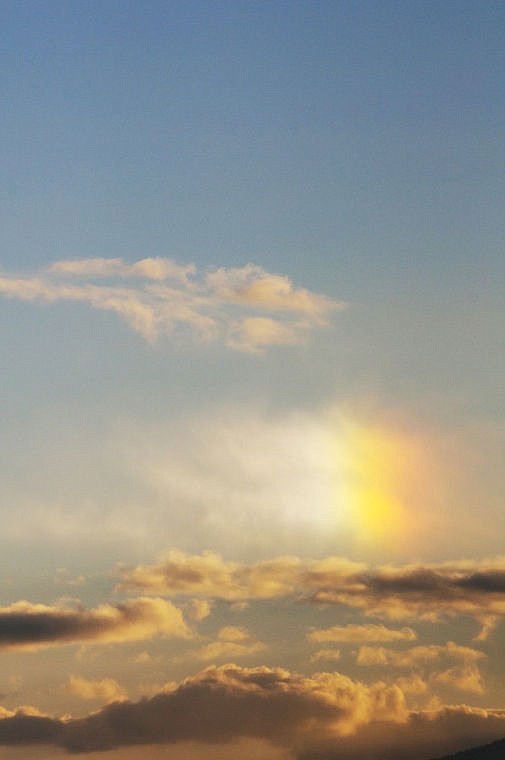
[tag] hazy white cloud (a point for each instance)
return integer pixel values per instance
(34, 626)
(247, 308)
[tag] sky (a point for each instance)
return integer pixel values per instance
(251, 339)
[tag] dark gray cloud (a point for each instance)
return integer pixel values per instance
(31, 626)
(324, 717)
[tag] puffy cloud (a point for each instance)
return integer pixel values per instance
(354, 633)
(426, 592)
(33, 626)
(317, 718)
(221, 704)
(247, 308)
(208, 575)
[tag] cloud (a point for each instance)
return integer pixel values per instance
(104, 689)
(326, 654)
(220, 704)
(317, 718)
(354, 633)
(247, 308)
(428, 733)
(232, 642)
(33, 626)
(425, 592)
(414, 656)
(464, 678)
(207, 575)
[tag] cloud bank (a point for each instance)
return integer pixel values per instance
(324, 716)
(247, 308)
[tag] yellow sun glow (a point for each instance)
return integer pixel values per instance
(379, 481)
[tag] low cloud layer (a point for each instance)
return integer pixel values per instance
(247, 308)
(425, 592)
(316, 718)
(33, 626)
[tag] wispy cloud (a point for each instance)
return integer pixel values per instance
(34, 626)
(366, 632)
(426, 592)
(247, 308)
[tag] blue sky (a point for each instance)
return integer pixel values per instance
(251, 320)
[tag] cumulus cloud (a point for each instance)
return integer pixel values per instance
(425, 592)
(247, 308)
(33, 626)
(317, 718)
(221, 704)
(208, 575)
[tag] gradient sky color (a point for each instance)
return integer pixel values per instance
(251, 336)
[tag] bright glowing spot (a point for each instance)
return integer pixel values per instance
(379, 479)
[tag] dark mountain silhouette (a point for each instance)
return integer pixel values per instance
(494, 751)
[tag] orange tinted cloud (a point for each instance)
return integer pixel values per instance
(414, 656)
(316, 718)
(366, 632)
(33, 626)
(103, 689)
(426, 592)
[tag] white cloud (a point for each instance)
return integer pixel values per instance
(246, 308)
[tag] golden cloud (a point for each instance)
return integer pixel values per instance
(104, 689)
(316, 718)
(424, 592)
(414, 656)
(33, 626)
(354, 633)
